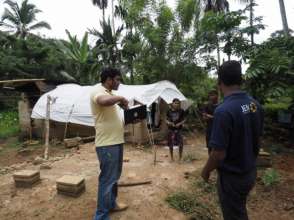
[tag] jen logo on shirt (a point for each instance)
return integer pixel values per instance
(247, 108)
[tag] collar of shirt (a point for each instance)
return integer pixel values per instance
(237, 93)
(107, 90)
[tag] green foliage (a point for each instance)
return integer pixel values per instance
(270, 177)
(205, 187)
(155, 43)
(199, 201)
(79, 52)
(217, 6)
(189, 204)
(272, 107)
(271, 70)
(188, 11)
(107, 44)
(9, 125)
(182, 201)
(20, 18)
(218, 29)
(33, 57)
(157, 48)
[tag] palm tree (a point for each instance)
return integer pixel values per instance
(102, 4)
(251, 17)
(20, 18)
(284, 18)
(107, 44)
(81, 54)
(188, 11)
(216, 5)
(223, 5)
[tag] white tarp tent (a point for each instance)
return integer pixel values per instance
(73, 101)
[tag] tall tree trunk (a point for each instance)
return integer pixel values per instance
(284, 18)
(251, 21)
(112, 14)
(103, 12)
(218, 54)
(132, 74)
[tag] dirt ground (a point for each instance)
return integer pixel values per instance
(145, 202)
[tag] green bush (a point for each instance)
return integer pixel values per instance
(270, 177)
(271, 109)
(9, 125)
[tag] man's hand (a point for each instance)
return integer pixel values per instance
(170, 123)
(205, 175)
(124, 103)
(215, 158)
(206, 116)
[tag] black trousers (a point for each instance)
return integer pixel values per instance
(233, 190)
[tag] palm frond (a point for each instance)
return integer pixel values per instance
(6, 25)
(21, 17)
(8, 15)
(41, 24)
(102, 4)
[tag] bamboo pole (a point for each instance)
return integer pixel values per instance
(66, 124)
(50, 100)
(151, 140)
(47, 127)
(125, 184)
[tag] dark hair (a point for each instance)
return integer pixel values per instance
(230, 73)
(109, 73)
(176, 100)
(212, 92)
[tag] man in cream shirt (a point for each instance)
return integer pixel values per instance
(108, 141)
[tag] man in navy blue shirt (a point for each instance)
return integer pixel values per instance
(236, 130)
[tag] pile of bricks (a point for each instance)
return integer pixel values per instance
(70, 185)
(26, 178)
(264, 159)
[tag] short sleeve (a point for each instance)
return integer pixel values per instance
(221, 131)
(95, 94)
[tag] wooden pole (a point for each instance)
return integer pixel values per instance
(151, 140)
(47, 127)
(133, 136)
(66, 124)
(125, 184)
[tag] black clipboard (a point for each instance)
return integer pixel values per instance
(135, 113)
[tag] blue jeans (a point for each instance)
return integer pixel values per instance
(111, 160)
(233, 191)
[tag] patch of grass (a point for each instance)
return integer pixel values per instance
(10, 144)
(198, 201)
(189, 157)
(9, 125)
(270, 177)
(190, 205)
(205, 187)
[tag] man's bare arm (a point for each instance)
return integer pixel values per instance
(181, 123)
(168, 122)
(215, 157)
(108, 100)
